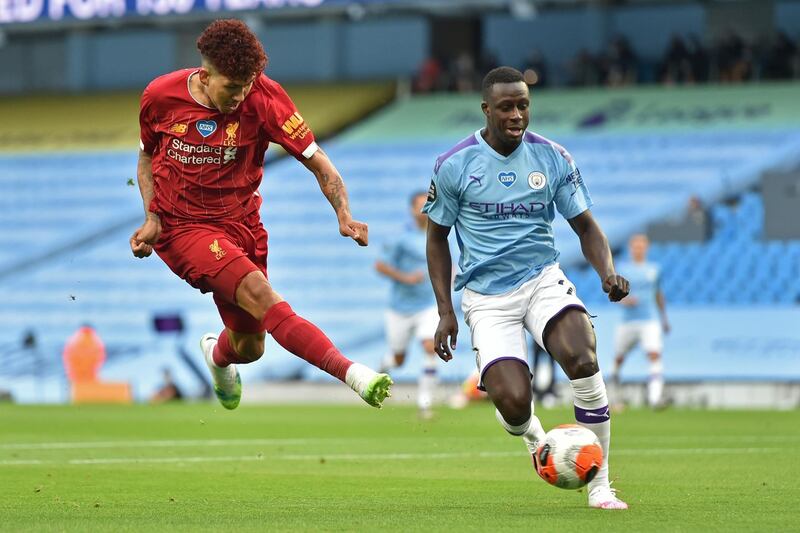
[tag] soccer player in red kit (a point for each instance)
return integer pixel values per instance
(204, 132)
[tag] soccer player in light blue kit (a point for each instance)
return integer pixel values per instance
(642, 309)
(500, 188)
(412, 308)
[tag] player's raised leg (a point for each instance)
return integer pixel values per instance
(569, 338)
(305, 340)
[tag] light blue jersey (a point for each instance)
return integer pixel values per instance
(406, 253)
(503, 207)
(645, 280)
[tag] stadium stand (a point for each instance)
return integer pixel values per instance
(69, 216)
(735, 267)
(108, 120)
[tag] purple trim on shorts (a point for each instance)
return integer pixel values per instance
(465, 143)
(569, 306)
(592, 416)
(430, 371)
(493, 361)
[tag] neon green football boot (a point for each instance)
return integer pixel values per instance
(370, 385)
(227, 383)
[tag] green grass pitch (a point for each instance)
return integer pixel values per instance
(277, 468)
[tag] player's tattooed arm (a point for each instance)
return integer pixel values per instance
(440, 267)
(144, 175)
(594, 245)
(147, 234)
(332, 186)
(333, 189)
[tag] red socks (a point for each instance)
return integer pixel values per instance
(223, 353)
(297, 335)
(304, 340)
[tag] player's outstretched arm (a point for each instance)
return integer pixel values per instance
(147, 234)
(440, 268)
(595, 249)
(406, 278)
(332, 186)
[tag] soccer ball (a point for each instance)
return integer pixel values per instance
(569, 456)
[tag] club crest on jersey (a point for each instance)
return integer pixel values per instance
(230, 134)
(537, 181)
(217, 250)
(206, 127)
(507, 178)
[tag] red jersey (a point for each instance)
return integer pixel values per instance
(208, 165)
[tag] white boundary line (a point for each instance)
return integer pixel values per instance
(149, 444)
(371, 457)
(128, 460)
(459, 455)
(189, 443)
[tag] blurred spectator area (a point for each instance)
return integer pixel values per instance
(443, 46)
(71, 263)
(692, 42)
(110, 119)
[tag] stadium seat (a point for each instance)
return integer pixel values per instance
(70, 262)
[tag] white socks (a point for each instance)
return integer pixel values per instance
(517, 431)
(358, 377)
(530, 431)
(655, 385)
(427, 382)
(591, 411)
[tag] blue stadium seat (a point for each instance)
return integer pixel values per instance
(54, 203)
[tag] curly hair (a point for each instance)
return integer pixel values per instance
(232, 49)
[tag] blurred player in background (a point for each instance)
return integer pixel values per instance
(644, 317)
(204, 132)
(468, 392)
(412, 308)
(500, 187)
(168, 391)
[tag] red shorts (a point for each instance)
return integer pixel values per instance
(215, 258)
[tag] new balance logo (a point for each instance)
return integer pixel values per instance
(230, 155)
(570, 290)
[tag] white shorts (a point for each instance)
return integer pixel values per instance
(498, 322)
(402, 327)
(645, 333)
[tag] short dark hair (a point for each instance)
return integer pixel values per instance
(230, 46)
(500, 75)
